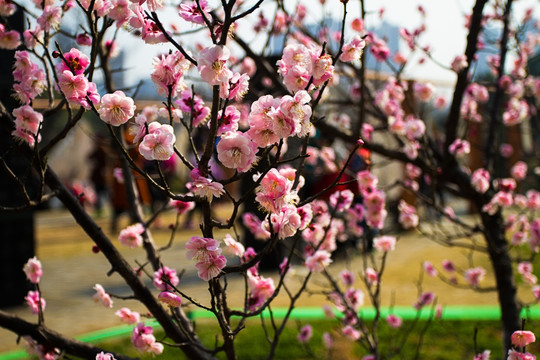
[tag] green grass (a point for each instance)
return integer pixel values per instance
(444, 340)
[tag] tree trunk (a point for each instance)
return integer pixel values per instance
(504, 275)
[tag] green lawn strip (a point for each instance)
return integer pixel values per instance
(306, 314)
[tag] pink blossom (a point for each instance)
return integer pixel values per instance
(522, 338)
(430, 269)
(234, 247)
(143, 339)
(459, 148)
(205, 187)
(211, 64)
(519, 170)
(182, 207)
(74, 87)
(274, 191)
(506, 150)
(50, 18)
(158, 144)
(254, 224)
(516, 112)
(116, 108)
(459, 63)
(411, 149)
(516, 355)
(127, 316)
(448, 265)
(103, 356)
(318, 261)
(424, 91)
(35, 302)
(7, 8)
(236, 88)
(132, 235)
(169, 72)
(485, 355)
(261, 289)
(84, 39)
(189, 11)
(170, 299)
(202, 249)
(474, 276)
(33, 270)
(102, 297)
(9, 39)
(536, 292)
(480, 180)
(353, 50)
(414, 128)
(394, 321)
(407, 215)
(372, 277)
(347, 277)
(236, 151)
(351, 333)
(296, 111)
(75, 61)
(384, 243)
(424, 299)
(164, 277)
(305, 334)
(341, 200)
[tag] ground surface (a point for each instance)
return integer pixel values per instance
(71, 270)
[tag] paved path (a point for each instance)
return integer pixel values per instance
(71, 270)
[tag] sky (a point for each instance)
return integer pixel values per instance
(445, 32)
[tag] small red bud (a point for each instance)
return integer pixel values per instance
(360, 142)
(55, 54)
(95, 249)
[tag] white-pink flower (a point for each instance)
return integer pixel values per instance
(35, 302)
(211, 268)
(236, 151)
(164, 278)
(132, 235)
(384, 243)
(474, 276)
(116, 108)
(33, 270)
(205, 187)
(158, 144)
(211, 64)
(170, 298)
(318, 261)
(128, 316)
(143, 339)
(234, 247)
(102, 297)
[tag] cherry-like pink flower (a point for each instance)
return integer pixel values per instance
(305, 334)
(170, 299)
(33, 270)
(116, 108)
(353, 50)
(73, 86)
(394, 321)
(127, 316)
(384, 243)
(424, 299)
(236, 151)
(202, 249)
(182, 207)
(234, 247)
(164, 278)
(211, 268)
(522, 338)
(480, 180)
(131, 236)
(474, 276)
(105, 356)
(459, 148)
(212, 64)
(158, 144)
(189, 11)
(485, 355)
(430, 269)
(519, 170)
(318, 261)
(143, 339)
(205, 187)
(351, 333)
(35, 301)
(341, 200)
(75, 61)
(102, 297)
(50, 18)
(459, 63)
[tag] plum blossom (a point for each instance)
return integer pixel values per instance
(305, 334)
(286, 222)
(116, 108)
(474, 276)
(430, 269)
(236, 151)
(234, 247)
(408, 218)
(394, 321)
(516, 112)
(164, 277)
(480, 180)
(207, 253)
(384, 243)
(75, 61)
(205, 187)
(169, 73)
(341, 200)
(105, 356)
(459, 148)
(353, 50)
(519, 170)
(189, 11)
(372, 277)
(261, 289)
(35, 302)
(9, 39)
(143, 339)
(127, 316)
(212, 66)
(351, 333)
(33, 270)
(170, 299)
(516, 355)
(158, 144)
(274, 191)
(424, 299)
(485, 355)
(318, 261)
(522, 338)
(50, 18)
(102, 296)
(131, 236)
(459, 63)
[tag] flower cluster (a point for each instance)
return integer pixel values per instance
(143, 339)
(30, 80)
(207, 254)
